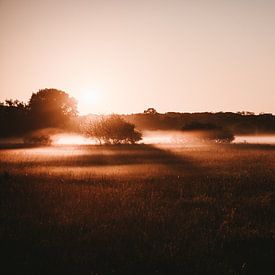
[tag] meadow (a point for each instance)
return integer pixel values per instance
(138, 209)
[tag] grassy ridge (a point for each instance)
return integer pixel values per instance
(138, 210)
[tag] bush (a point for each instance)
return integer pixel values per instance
(113, 130)
(35, 139)
(219, 136)
(209, 132)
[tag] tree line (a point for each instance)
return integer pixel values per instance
(56, 109)
(240, 123)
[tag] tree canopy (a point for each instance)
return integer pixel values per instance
(51, 108)
(150, 111)
(209, 132)
(113, 130)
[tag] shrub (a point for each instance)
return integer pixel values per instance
(209, 132)
(36, 139)
(113, 130)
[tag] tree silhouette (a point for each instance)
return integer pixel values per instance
(13, 118)
(15, 103)
(150, 111)
(209, 132)
(113, 130)
(52, 108)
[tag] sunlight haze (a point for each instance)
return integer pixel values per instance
(126, 56)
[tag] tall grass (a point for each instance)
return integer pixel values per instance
(138, 210)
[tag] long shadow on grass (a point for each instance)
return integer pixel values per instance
(118, 155)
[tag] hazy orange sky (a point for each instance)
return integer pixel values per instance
(125, 56)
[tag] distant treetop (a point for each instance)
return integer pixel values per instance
(151, 111)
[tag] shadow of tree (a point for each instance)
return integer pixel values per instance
(109, 155)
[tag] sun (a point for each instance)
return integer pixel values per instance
(87, 100)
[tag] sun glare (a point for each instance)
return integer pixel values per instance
(87, 100)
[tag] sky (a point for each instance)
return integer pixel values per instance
(123, 56)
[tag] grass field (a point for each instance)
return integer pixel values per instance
(138, 209)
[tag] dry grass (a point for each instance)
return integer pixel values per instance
(138, 210)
